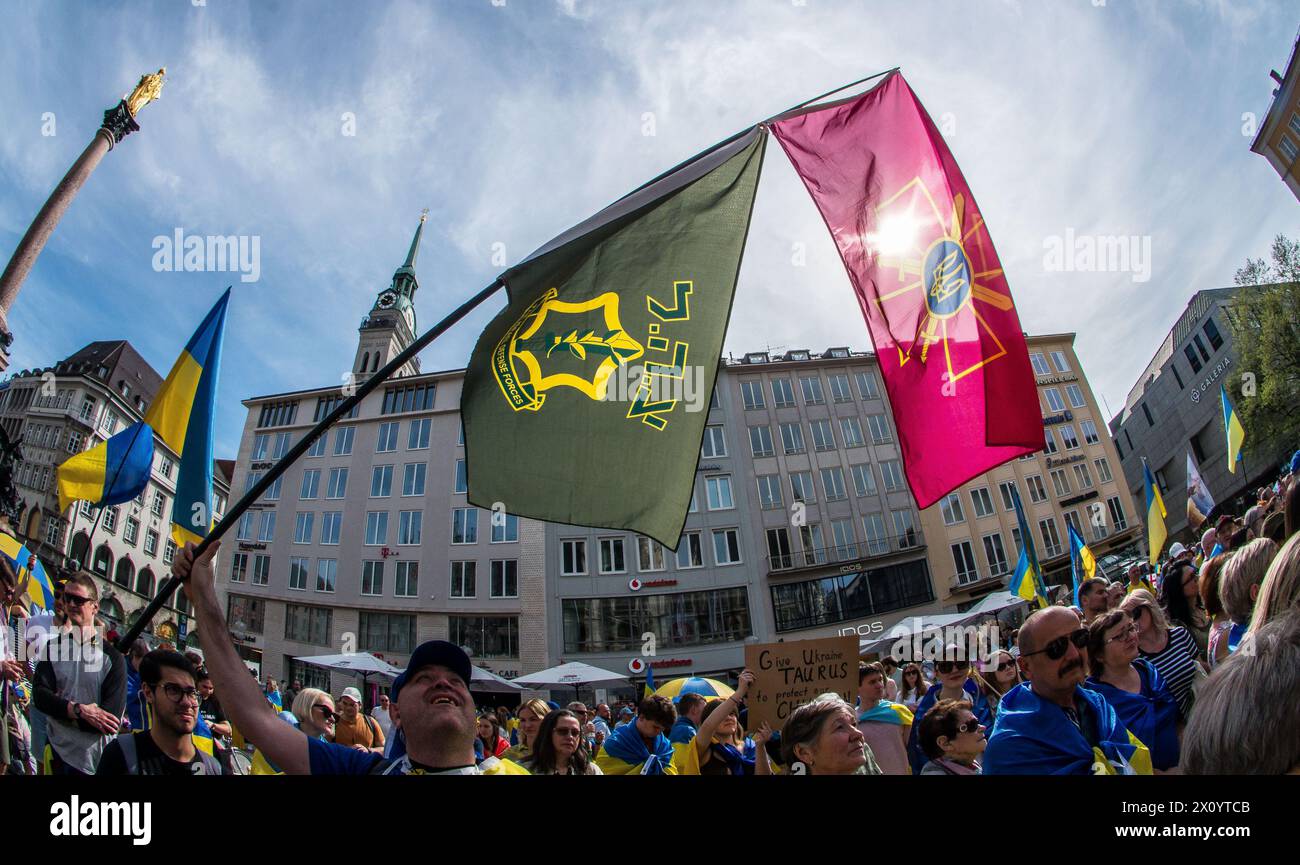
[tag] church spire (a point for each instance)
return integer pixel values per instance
(415, 242)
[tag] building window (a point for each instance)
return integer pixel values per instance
(1089, 432)
(381, 482)
(1058, 358)
(982, 501)
(814, 545)
(387, 440)
(892, 474)
(1192, 358)
(1049, 441)
(689, 552)
(1147, 411)
(1054, 401)
(1067, 435)
(462, 579)
(950, 507)
(573, 557)
(413, 479)
(302, 527)
(782, 393)
(377, 528)
(407, 584)
(325, 405)
(1103, 470)
(272, 493)
(792, 438)
(338, 484)
(245, 532)
(505, 528)
(1040, 363)
(282, 441)
(417, 435)
(1212, 331)
(266, 529)
(879, 427)
(769, 492)
(391, 633)
(110, 520)
(238, 567)
(846, 544)
(310, 484)
(840, 388)
(751, 393)
(714, 445)
(611, 556)
(851, 432)
(245, 615)
(1081, 475)
(505, 579)
(680, 619)
(1008, 490)
(261, 570)
(1060, 483)
(464, 526)
(485, 636)
(343, 437)
(867, 388)
(822, 435)
(372, 578)
(905, 530)
(409, 524)
(1037, 492)
(650, 555)
(1051, 540)
(812, 390)
(298, 566)
(1072, 520)
(864, 479)
(778, 549)
(718, 493)
(327, 571)
(760, 441)
(873, 527)
(833, 483)
(331, 522)
(995, 554)
(417, 397)
(1116, 513)
(260, 443)
(726, 546)
(801, 487)
(1200, 347)
(1075, 394)
(277, 414)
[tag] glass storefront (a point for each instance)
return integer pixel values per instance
(856, 595)
(680, 619)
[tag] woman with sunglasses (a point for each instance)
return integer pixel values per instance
(1171, 649)
(914, 687)
(314, 711)
(561, 748)
(999, 675)
(955, 682)
(531, 715)
(953, 738)
(1180, 595)
(1133, 687)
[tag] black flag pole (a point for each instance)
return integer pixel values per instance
(170, 585)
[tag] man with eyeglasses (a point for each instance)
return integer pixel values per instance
(80, 685)
(1051, 725)
(168, 682)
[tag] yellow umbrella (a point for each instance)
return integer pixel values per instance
(707, 688)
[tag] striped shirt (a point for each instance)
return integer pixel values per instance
(1176, 664)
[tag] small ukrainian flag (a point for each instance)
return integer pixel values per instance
(1232, 427)
(1156, 513)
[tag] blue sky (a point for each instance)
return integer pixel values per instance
(513, 120)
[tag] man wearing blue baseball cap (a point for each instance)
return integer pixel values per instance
(430, 702)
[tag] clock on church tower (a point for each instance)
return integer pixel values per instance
(391, 326)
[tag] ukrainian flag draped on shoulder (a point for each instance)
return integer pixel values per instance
(625, 753)
(1156, 513)
(181, 415)
(686, 757)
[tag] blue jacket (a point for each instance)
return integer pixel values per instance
(1151, 714)
(979, 705)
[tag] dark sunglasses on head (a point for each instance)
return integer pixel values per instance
(76, 600)
(1056, 648)
(946, 667)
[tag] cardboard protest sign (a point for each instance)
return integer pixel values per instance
(787, 675)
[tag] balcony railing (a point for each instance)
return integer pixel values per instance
(815, 556)
(974, 580)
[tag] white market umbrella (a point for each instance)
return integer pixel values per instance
(354, 662)
(571, 675)
(910, 627)
(486, 680)
(996, 602)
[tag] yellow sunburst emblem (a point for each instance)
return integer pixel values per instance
(945, 255)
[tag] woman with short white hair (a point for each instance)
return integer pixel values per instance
(1280, 590)
(822, 738)
(1239, 584)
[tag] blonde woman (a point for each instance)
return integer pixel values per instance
(1170, 649)
(314, 710)
(530, 715)
(1280, 590)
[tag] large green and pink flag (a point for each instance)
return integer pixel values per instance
(931, 287)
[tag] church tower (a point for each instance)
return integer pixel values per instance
(390, 326)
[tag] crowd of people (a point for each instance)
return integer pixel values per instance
(1193, 667)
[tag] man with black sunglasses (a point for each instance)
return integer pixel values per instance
(1052, 726)
(169, 684)
(80, 685)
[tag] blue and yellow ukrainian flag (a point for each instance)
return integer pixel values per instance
(182, 415)
(1027, 565)
(649, 679)
(40, 589)
(1083, 564)
(1156, 513)
(1232, 427)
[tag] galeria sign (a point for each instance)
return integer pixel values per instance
(787, 675)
